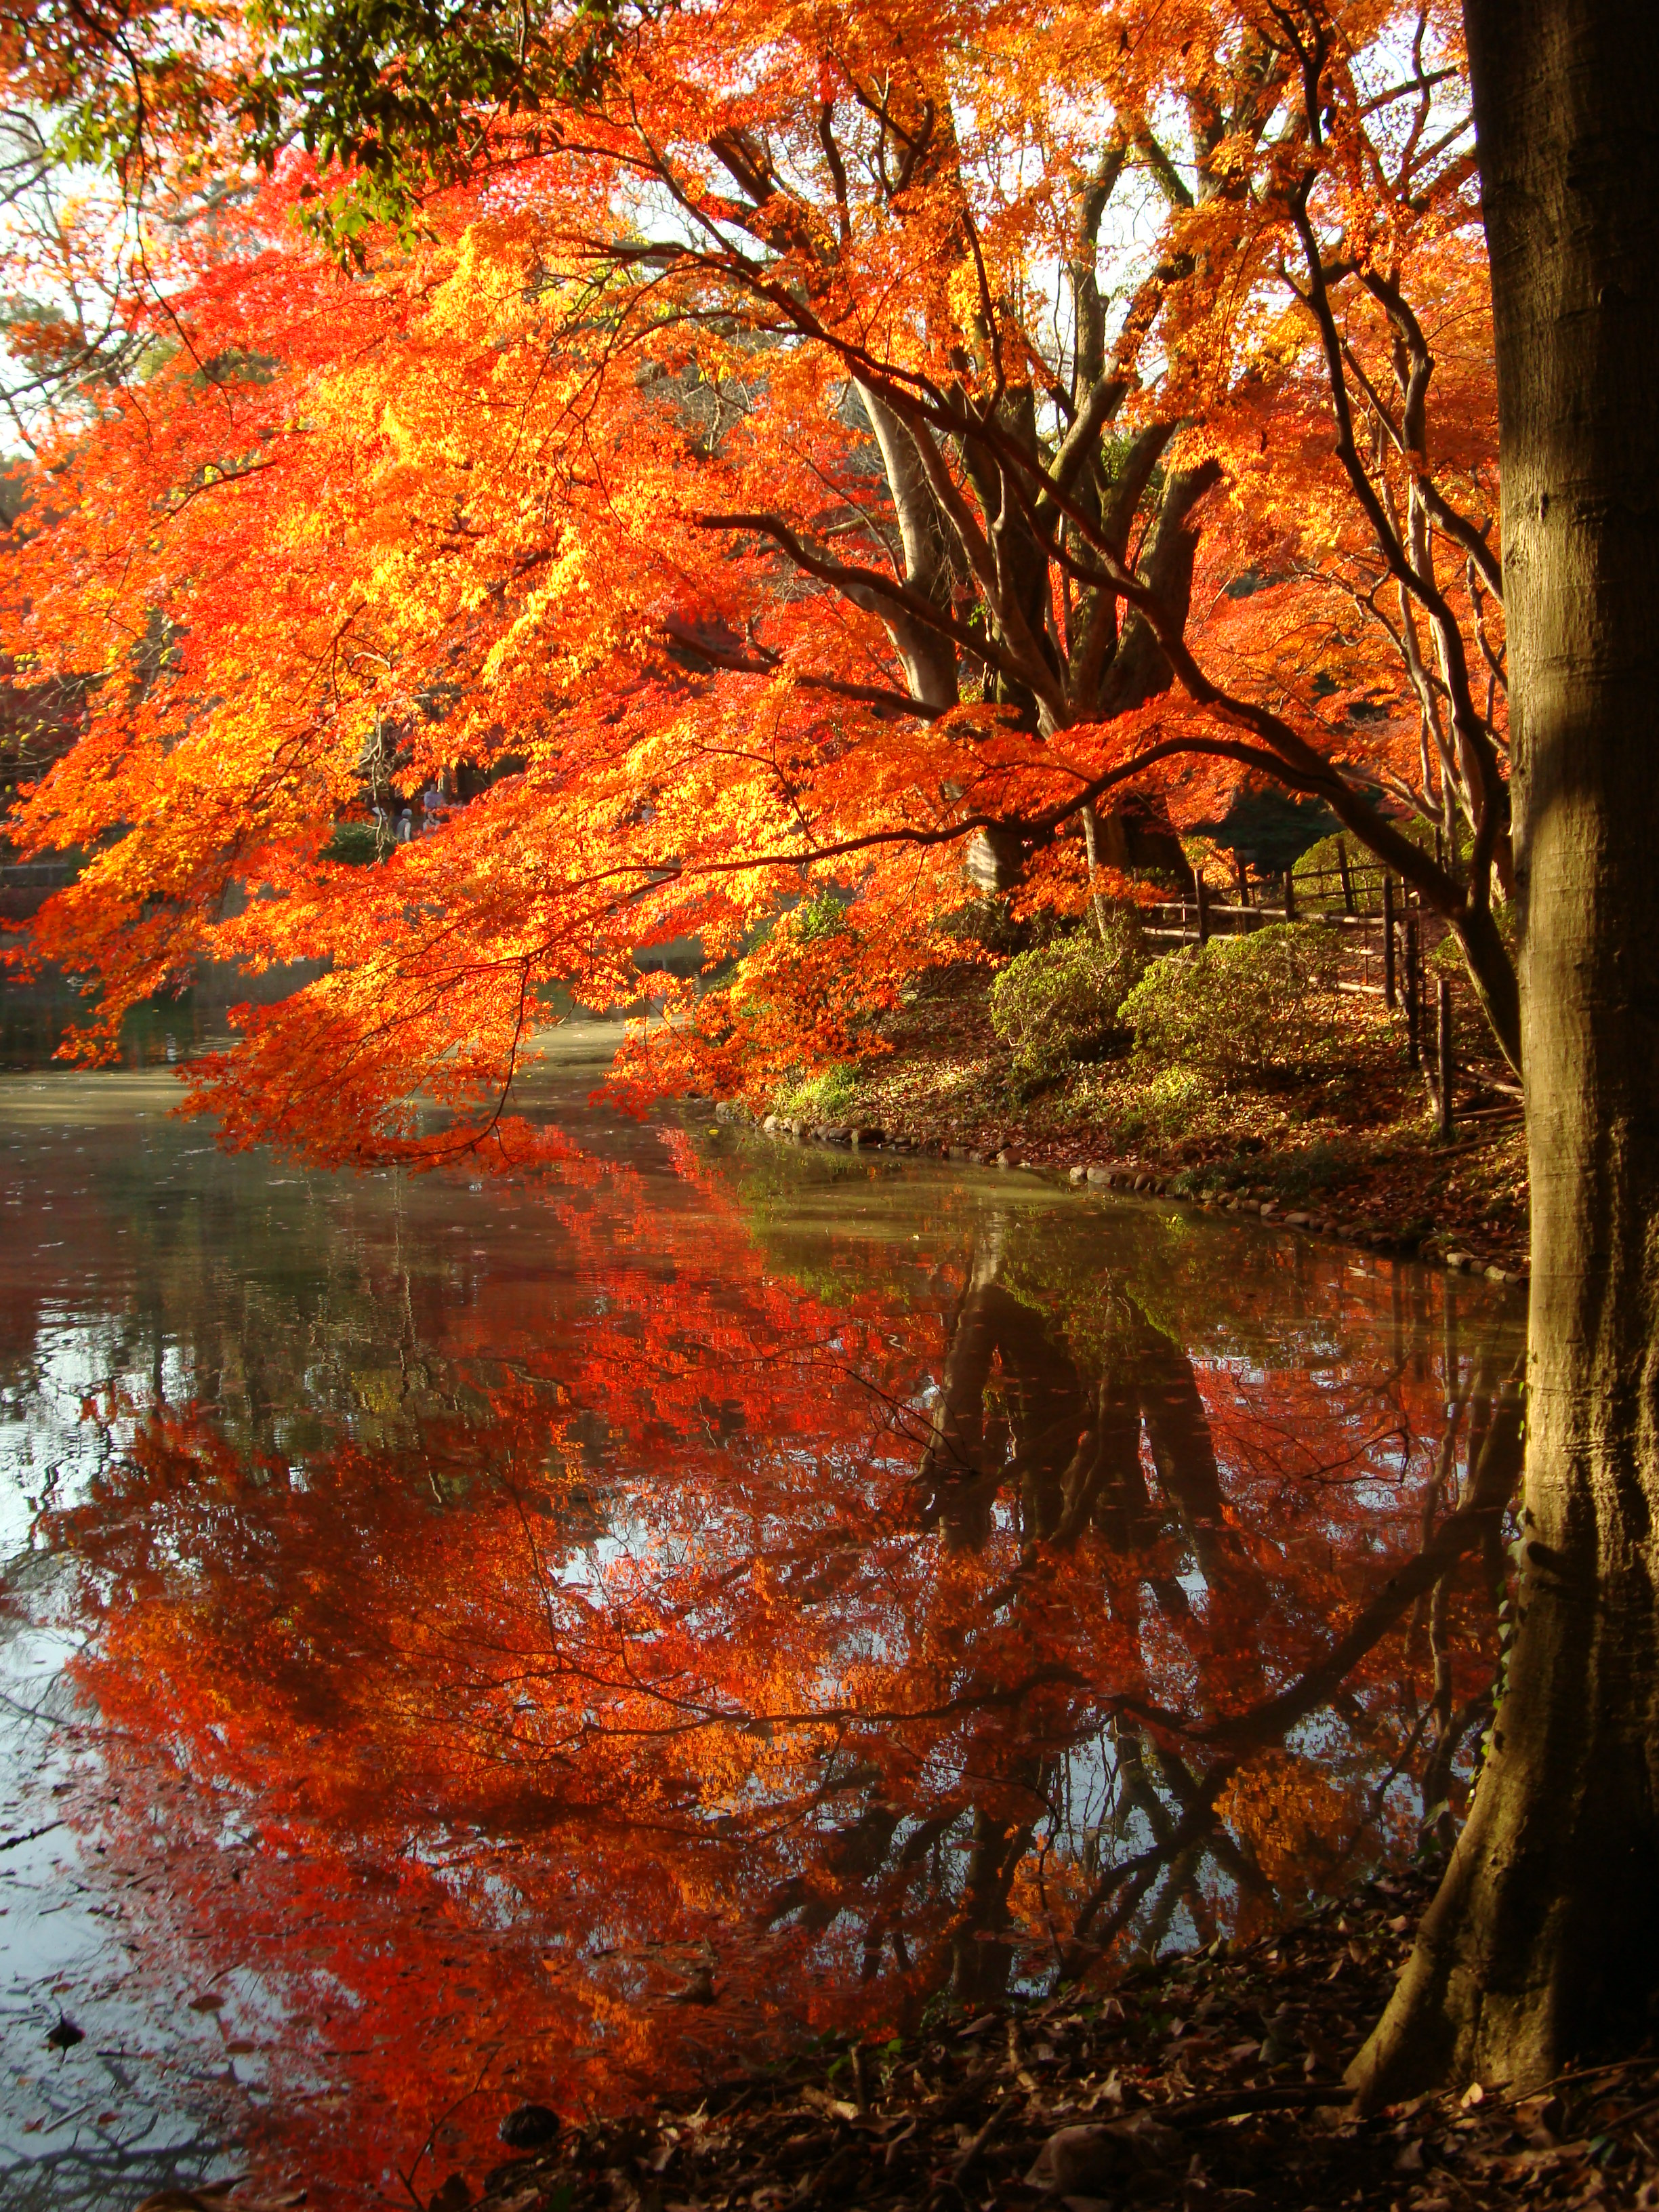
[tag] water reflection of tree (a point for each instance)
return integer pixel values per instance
(103, 2166)
(988, 1610)
(1090, 1418)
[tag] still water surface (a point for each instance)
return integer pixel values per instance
(464, 1642)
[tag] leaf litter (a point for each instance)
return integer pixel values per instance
(1210, 2082)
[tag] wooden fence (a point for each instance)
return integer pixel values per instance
(1387, 940)
(26, 885)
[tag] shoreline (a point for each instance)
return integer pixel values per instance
(1343, 1144)
(1206, 2079)
(1132, 1178)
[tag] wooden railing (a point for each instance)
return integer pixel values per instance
(1387, 936)
(26, 885)
(45, 875)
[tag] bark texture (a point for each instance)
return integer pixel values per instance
(1546, 1931)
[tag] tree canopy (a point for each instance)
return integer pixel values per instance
(778, 455)
(786, 467)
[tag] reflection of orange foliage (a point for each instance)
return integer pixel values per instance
(669, 1640)
(1294, 1820)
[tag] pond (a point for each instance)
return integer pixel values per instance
(468, 1641)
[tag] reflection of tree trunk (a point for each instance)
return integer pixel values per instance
(852, 1855)
(1077, 1463)
(1546, 1928)
(953, 1452)
(1175, 1844)
(1491, 1487)
(1176, 1884)
(1178, 1431)
(961, 1468)
(1105, 1482)
(1077, 1455)
(1125, 1886)
(1437, 1771)
(980, 1968)
(1234, 1857)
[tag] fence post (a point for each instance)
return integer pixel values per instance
(1390, 996)
(1342, 870)
(1443, 1054)
(1290, 897)
(1243, 879)
(1203, 907)
(1413, 994)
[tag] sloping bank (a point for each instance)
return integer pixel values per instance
(1235, 1087)
(1213, 2079)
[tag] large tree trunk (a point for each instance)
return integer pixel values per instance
(1546, 1931)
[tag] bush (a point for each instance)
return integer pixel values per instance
(1245, 1008)
(354, 845)
(1170, 1102)
(829, 1096)
(824, 914)
(1052, 1003)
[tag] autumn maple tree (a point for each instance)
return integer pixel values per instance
(825, 448)
(805, 454)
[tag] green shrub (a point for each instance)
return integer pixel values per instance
(353, 844)
(829, 1096)
(1245, 1008)
(1171, 1101)
(824, 914)
(1317, 889)
(1054, 1002)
